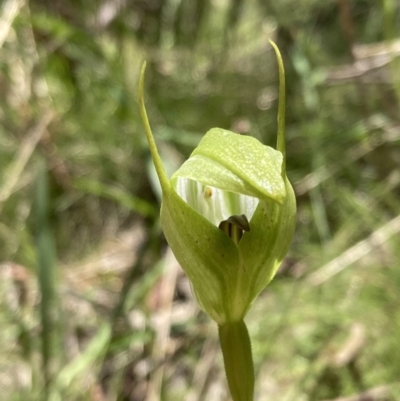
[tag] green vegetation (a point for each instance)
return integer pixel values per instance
(92, 304)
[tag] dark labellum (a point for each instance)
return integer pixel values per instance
(234, 227)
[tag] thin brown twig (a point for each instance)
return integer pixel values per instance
(163, 330)
(348, 28)
(203, 370)
(323, 173)
(25, 151)
(380, 393)
(8, 12)
(356, 252)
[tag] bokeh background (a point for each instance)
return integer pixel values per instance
(93, 305)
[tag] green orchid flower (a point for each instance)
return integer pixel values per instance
(228, 215)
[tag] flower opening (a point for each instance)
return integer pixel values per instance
(215, 204)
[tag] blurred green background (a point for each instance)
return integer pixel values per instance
(92, 304)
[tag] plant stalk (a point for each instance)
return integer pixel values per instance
(238, 361)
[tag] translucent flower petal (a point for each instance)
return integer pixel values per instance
(213, 203)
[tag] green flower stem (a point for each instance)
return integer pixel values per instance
(238, 361)
(229, 215)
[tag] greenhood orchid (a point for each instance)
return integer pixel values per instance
(228, 214)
